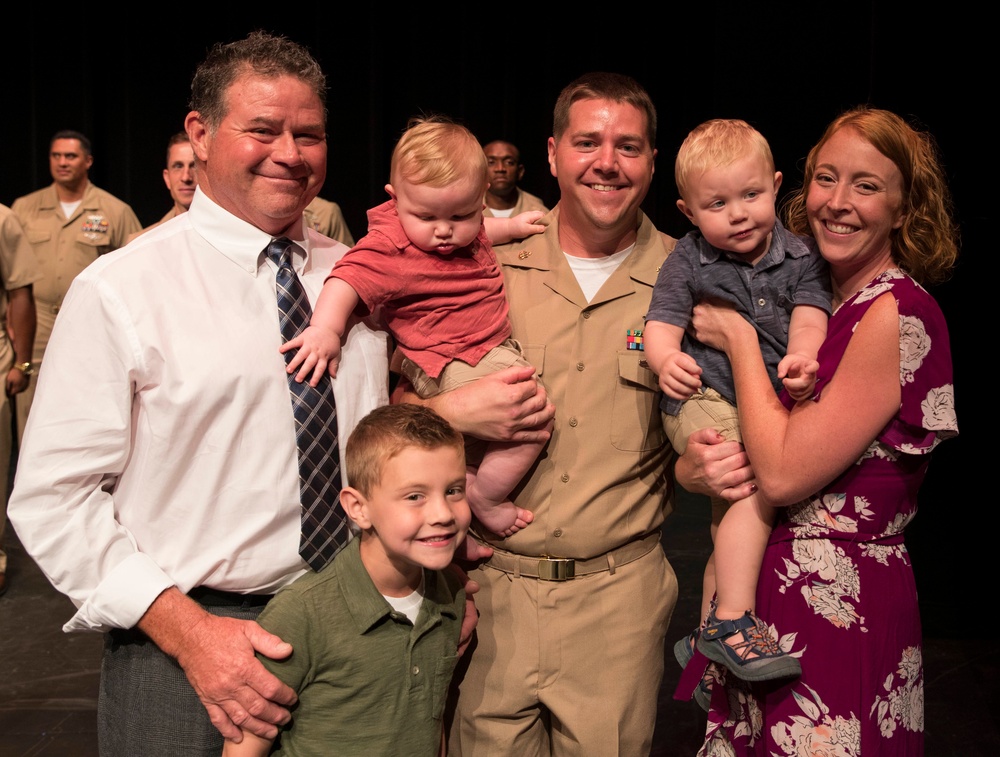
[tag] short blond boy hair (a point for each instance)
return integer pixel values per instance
(718, 142)
(388, 430)
(437, 151)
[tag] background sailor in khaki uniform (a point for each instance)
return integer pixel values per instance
(327, 218)
(18, 271)
(179, 176)
(68, 224)
(505, 198)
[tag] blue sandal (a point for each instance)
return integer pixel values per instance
(684, 649)
(757, 657)
(703, 694)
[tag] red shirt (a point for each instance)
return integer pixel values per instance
(438, 307)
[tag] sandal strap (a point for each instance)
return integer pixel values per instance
(756, 638)
(721, 629)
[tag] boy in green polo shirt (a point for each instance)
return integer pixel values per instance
(375, 633)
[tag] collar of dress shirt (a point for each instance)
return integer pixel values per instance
(236, 239)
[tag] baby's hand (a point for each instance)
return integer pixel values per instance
(504, 230)
(798, 374)
(681, 376)
(524, 224)
(318, 350)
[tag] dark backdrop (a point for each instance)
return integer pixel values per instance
(788, 72)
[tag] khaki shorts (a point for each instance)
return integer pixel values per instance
(706, 409)
(458, 373)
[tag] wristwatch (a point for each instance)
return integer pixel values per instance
(28, 369)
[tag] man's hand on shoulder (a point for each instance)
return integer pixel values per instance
(218, 656)
(469, 552)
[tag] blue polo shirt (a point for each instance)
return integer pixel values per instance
(791, 273)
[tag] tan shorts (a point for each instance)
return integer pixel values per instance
(706, 409)
(458, 373)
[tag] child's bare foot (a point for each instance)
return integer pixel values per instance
(502, 518)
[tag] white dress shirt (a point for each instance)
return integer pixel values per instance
(160, 450)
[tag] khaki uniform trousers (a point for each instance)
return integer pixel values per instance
(565, 667)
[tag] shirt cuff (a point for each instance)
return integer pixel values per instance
(122, 597)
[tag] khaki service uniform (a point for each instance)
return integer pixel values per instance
(64, 247)
(170, 215)
(18, 268)
(588, 648)
(327, 218)
(525, 202)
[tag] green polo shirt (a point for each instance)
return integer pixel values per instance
(369, 681)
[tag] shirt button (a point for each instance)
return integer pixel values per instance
(557, 532)
(572, 422)
(586, 314)
(579, 366)
(564, 477)
(761, 302)
(416, 670)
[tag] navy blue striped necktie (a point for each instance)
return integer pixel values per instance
(324, 526)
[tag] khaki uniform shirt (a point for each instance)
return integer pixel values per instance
(65, 246)
(327, 218)
(525, 202)
(171, 214)
(605, 476)
(18, 268)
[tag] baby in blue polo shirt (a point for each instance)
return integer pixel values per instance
(740, 253)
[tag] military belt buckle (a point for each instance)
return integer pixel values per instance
(556, 568)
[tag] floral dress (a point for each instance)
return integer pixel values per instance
(836, 583)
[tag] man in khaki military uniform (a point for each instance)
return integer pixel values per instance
(18, 271)
(568, 655)
(68, 224)
(327, 218)
(504, 198)
(179, 176)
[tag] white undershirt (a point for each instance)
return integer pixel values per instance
(591, 273)
(69, 208)
(502, 212)
(410, 604)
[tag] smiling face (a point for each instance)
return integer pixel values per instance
(733, 205)
(267, 159)
(853, 202)
(439, 219)
(179, 175)
(604, 164)
(415, 517)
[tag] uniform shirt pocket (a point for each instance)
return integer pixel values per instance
(37, 236)
(635, 416)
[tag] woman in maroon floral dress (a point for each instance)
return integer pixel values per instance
(836, 582)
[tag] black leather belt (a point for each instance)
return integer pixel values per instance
(206, 598)
(215, 598)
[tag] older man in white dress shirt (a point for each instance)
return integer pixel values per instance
(159, 486)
